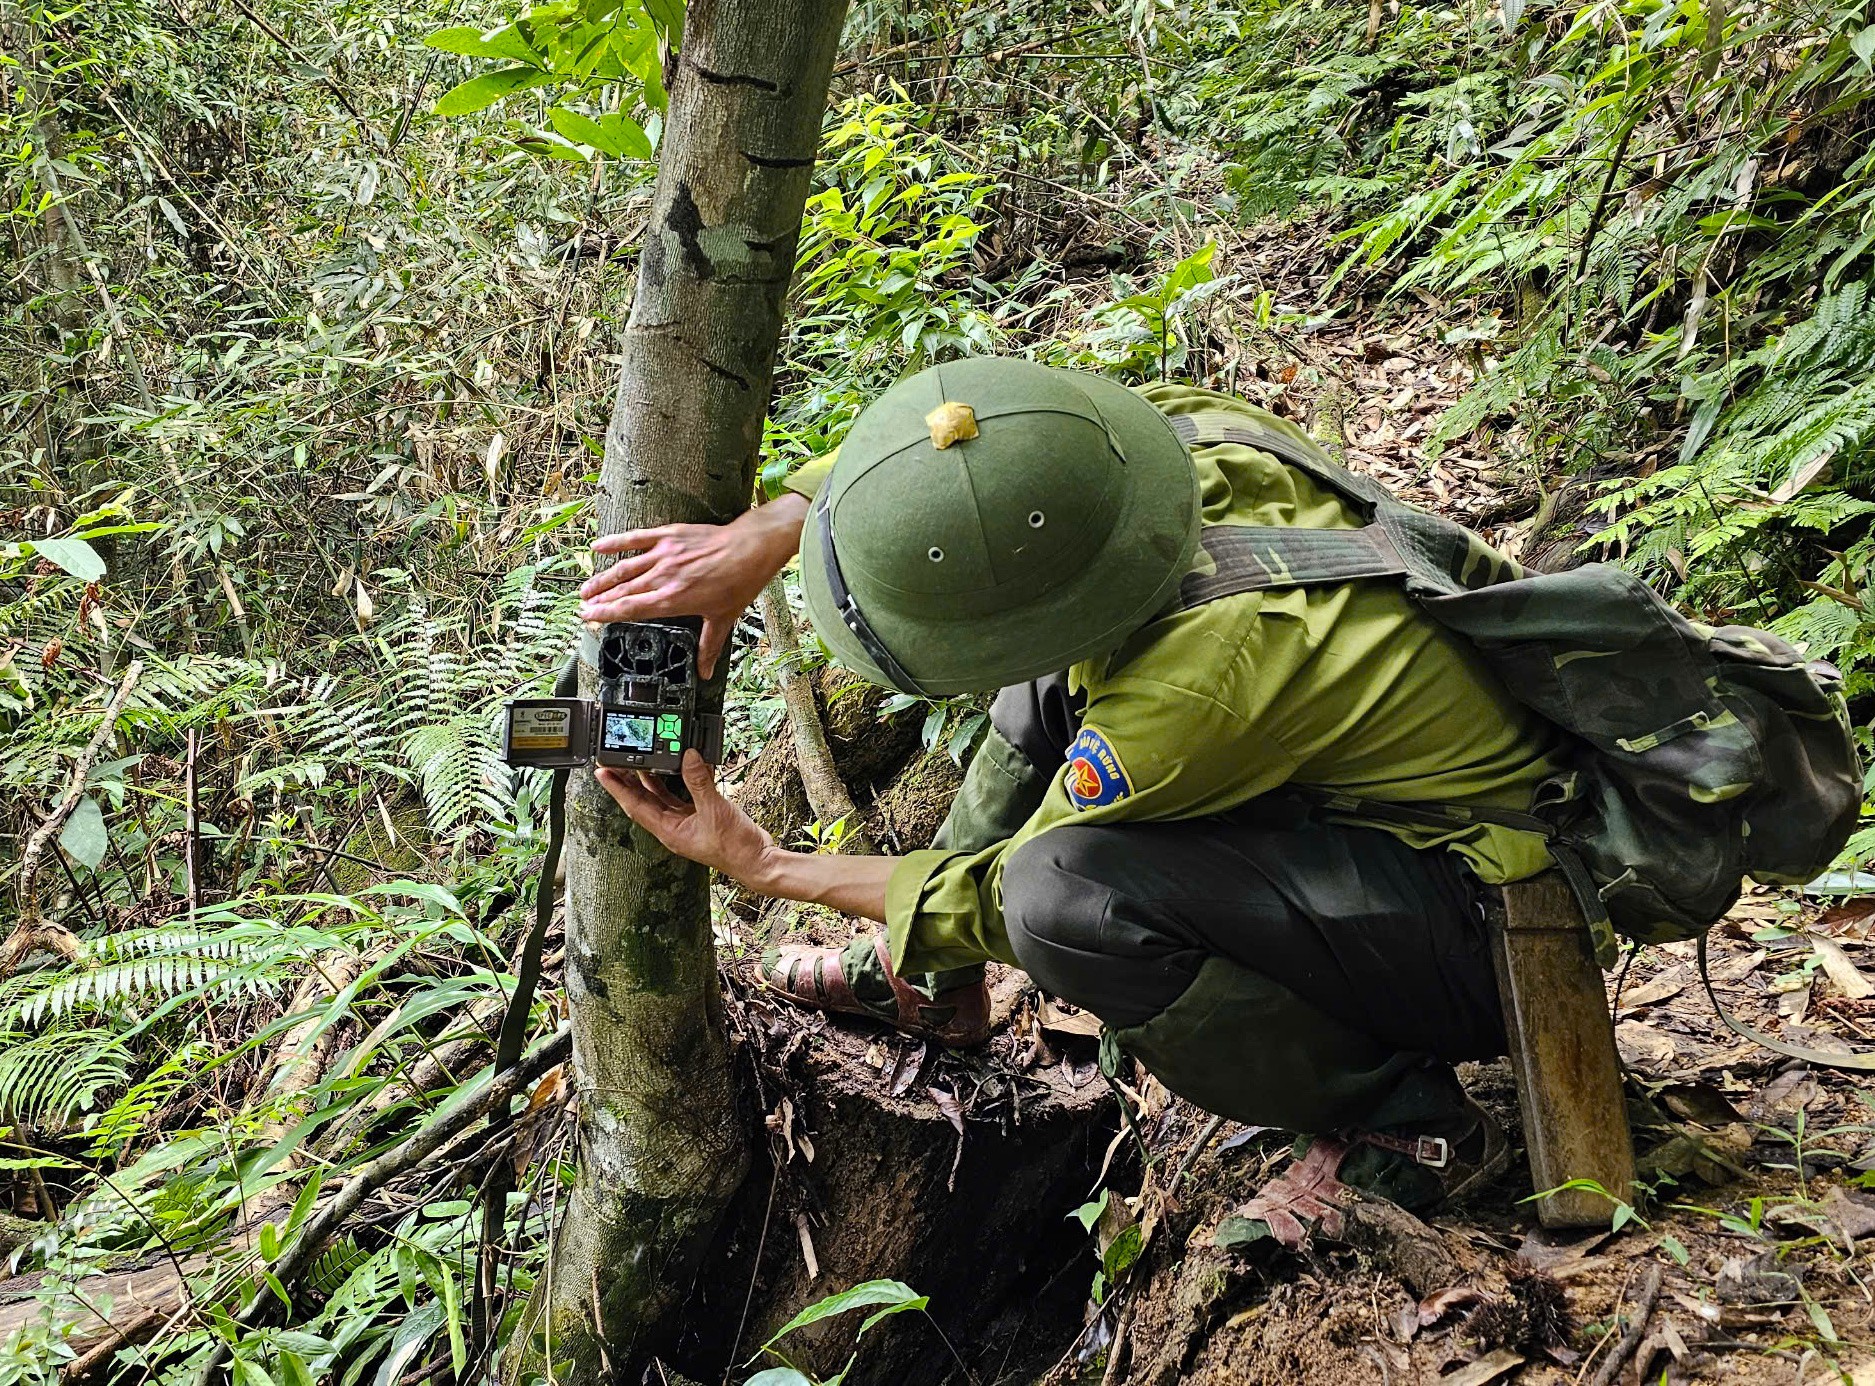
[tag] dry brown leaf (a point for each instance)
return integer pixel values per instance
(1671, 982)
(548, 1089)
(1847, 917)
(1850, 1214)
(1788, 488)
(1054, 1019)
(1439, 1303)
(1486, 1369)
(1543, 1251)
(1700, 1103)
(807, 1246)
(1786, 1094)
(1793, 1005)
(906, 1068)
(1846, 975)
(948, 1105)
(1642, 1045)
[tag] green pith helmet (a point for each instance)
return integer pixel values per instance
(991, 521)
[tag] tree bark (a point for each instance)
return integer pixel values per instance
(827, 794)
(662, 1144)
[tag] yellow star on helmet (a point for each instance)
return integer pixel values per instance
(951, 422)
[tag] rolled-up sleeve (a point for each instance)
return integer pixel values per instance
(806, 479)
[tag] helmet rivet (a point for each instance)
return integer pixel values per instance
(1036, 519)
(936, 555)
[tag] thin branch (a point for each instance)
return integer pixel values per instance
(332, 83)
(431, 1137)
(1637, 1327)
(827, 794)
(31, 932)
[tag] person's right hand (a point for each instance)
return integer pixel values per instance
(712, 571)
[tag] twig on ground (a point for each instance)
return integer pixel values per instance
(1637, 1328)
(1205, 1137)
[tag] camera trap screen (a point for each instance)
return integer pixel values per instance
(627, 731)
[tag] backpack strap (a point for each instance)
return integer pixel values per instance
(1822, 1058)
(1257, 558)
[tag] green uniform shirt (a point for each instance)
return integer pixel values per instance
(1348, 688)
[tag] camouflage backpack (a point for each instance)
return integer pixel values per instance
(1703, 755)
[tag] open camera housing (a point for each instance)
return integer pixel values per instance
(646, 714)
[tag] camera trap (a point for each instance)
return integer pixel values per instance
(645, 717)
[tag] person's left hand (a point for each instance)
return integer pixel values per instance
(709, 829)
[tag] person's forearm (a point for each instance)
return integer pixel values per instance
(851, 885)
(777, 528)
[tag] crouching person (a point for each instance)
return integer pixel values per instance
(1178, 819)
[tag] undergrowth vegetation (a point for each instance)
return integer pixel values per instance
(304, 381)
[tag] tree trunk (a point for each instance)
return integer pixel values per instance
(662, 1145)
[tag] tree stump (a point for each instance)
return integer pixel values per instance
(872, 1164)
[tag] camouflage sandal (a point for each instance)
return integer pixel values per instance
(1417, 1173)
(812, 976)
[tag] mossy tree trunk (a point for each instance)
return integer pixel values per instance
(661, 1145)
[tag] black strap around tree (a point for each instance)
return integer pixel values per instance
(512, 1038)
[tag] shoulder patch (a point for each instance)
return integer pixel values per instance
(1094, 774)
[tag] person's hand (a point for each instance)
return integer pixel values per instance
(709, 829)
(712, 571)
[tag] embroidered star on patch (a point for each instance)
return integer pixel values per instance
(1094, 774)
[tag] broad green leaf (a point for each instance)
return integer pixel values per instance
(104, 531)
(584, 130)
(84, 836)
(452, 1320)
(294, 1370)
(1089, 1213)
(14, 1162)
(427, 891)
(1863, 46)
(630, 135)
(779, 1376)
(1820, 1317)
(485, 90)
(921, 1302)
(1122, 1251)
(75, 556)
(861, 1296)
(471, 42)
(303, 1205)
(464, 39)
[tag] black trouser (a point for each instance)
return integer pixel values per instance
(1266, 964)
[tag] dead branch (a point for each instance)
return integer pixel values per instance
(31, 931)
(1637, 1328)
(300, 1058)
(827, 794)
(1400, 1243)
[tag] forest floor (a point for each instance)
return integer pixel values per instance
(1755, 1221)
